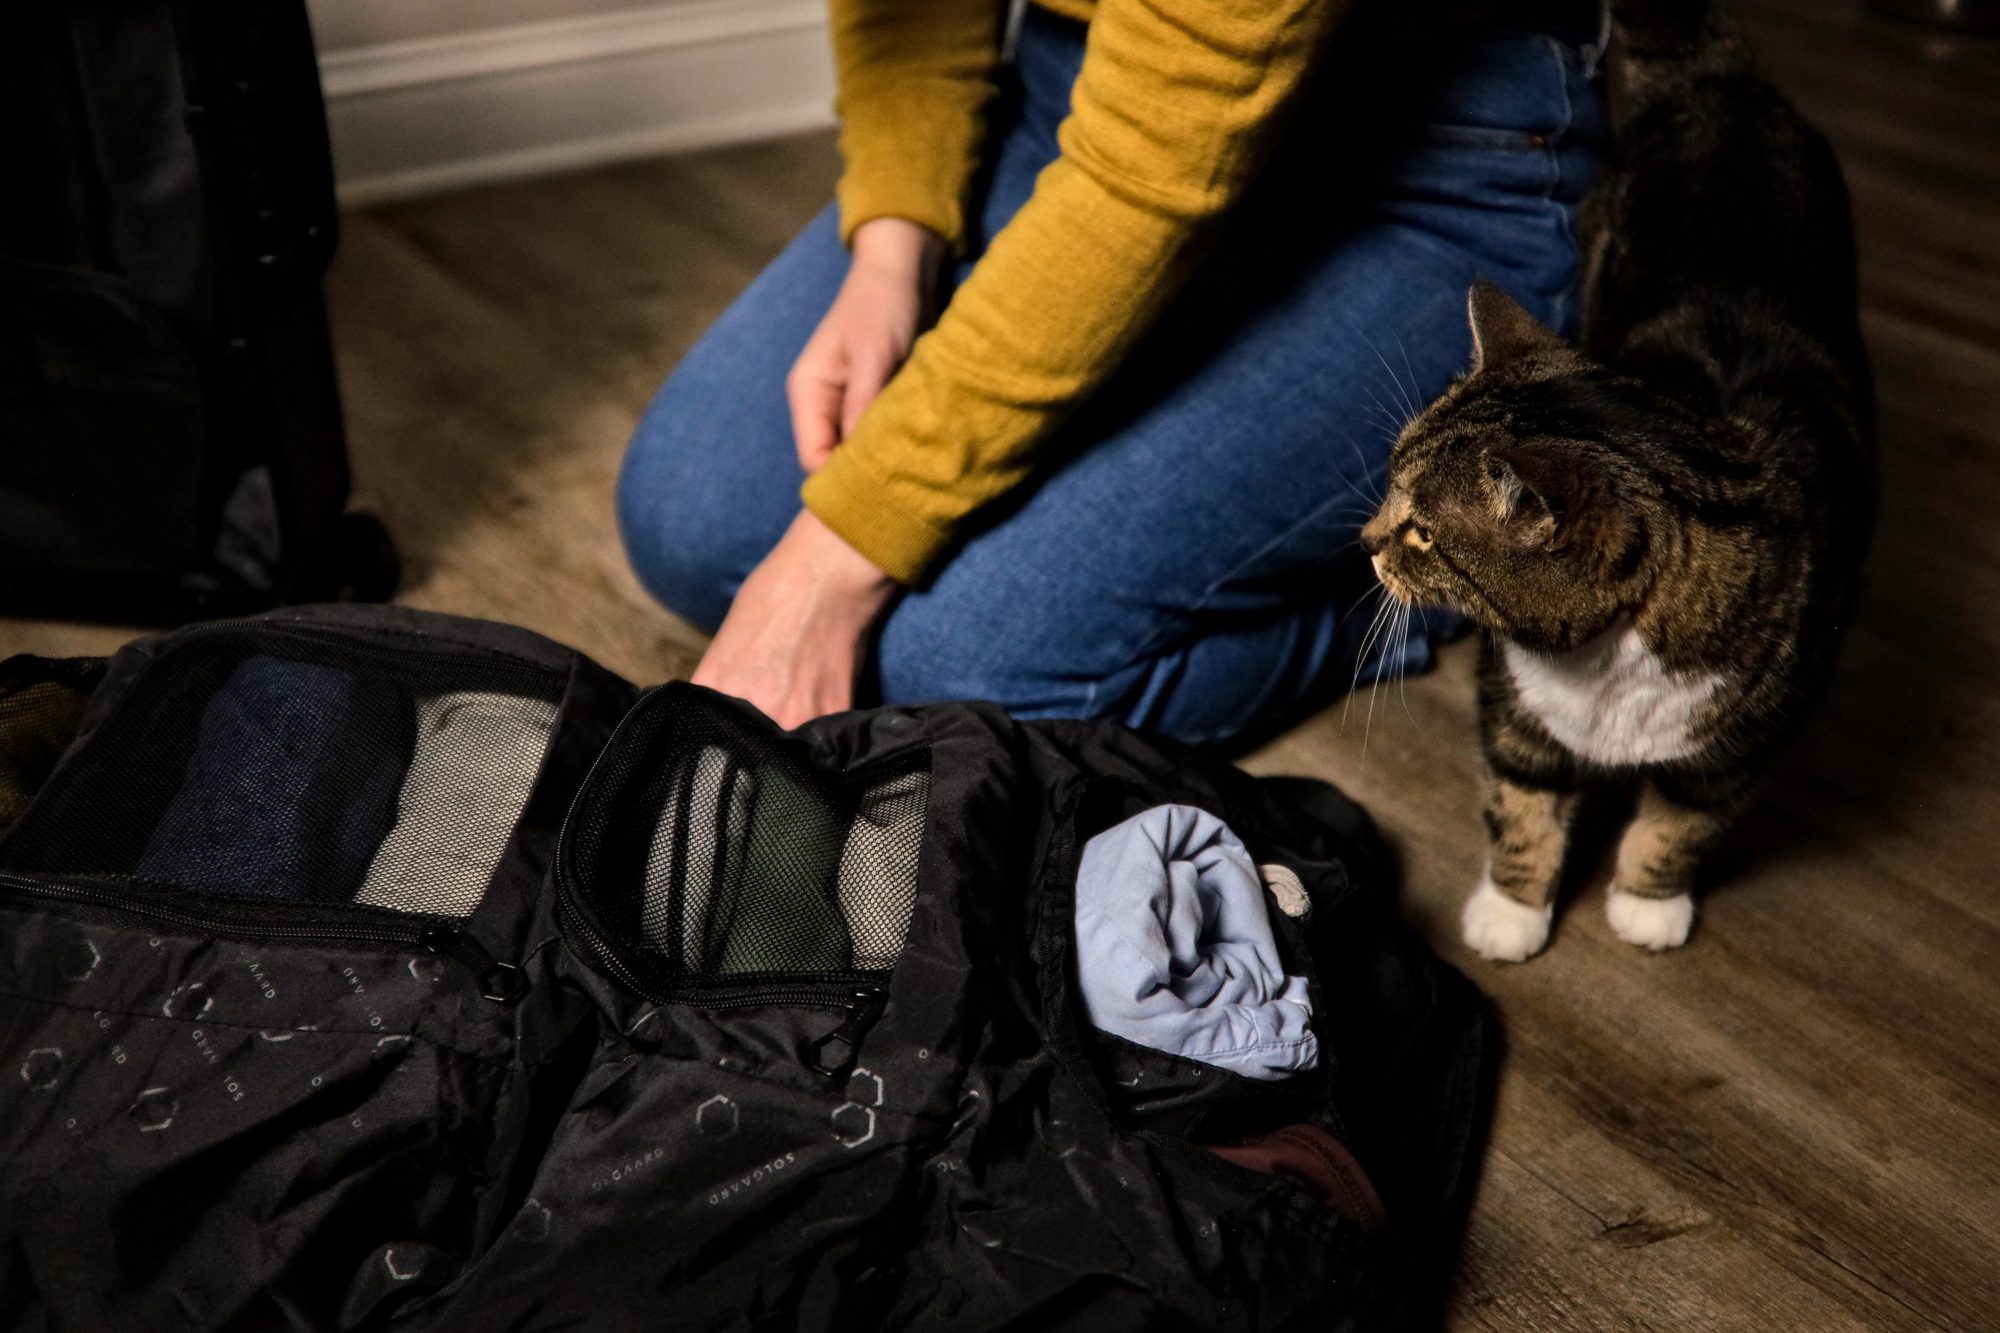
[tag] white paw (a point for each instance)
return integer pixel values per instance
(1650, 923)
(1499, 928)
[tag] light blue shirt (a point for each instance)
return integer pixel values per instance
(1174, 948)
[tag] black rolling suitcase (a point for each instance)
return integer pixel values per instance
(170, 435)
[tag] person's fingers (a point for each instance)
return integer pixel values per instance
(815, 401)
(787, 704)
(709, 673)
(864, 382)
(813, 392)
(798, 629)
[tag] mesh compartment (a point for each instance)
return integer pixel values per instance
(709, 847)
(41, 704)
(275, 767)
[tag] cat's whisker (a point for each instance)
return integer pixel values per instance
(1391, 421)
(1394, 421)
(1366, 474)
(1368, 726)
(1402, 667)
(1358, 516)
(1392, 663)
(1387, 425)
(1371, 502)
(1375, 590)
(1409, 406)
(1361, 656)
(1411, 411)
(1416, 385)
(1355, 605)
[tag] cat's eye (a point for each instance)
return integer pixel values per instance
(1418, 536)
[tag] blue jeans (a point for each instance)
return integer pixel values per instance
(1191, 566)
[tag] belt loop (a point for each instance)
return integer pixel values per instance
(1010, 36)
(1594, 52)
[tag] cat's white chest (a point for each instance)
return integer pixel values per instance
(1612, 701)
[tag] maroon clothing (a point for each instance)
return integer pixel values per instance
(1316, 1162)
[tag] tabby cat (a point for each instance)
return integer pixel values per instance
(1660, 534)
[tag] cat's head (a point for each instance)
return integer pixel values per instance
(1519, 497)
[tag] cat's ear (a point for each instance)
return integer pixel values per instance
(1533, 491)
(1502, 332)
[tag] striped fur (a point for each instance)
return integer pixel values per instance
(1659, 531)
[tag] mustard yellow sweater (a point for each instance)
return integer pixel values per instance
(1175, 107)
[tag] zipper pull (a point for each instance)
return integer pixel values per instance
(864, 1006)
(499, 982)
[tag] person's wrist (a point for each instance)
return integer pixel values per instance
(858, 579)
(899, 247)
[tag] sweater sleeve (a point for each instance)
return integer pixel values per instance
(1176, 105)
(914, 80)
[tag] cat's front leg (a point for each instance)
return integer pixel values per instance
(1651, 903)
(1527, 830)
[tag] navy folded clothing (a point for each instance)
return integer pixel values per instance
(290, 787)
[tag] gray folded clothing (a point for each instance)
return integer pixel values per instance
(877, 880)
(476, 758)
(696, 857)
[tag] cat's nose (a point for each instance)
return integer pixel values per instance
(1374, 536)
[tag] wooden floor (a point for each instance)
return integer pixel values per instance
(1790, 1124)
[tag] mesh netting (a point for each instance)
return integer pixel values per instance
(711, 846)
(293, 770)
(41, 703)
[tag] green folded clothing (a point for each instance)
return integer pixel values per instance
(785, 915)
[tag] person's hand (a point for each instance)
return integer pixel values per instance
(795, 637)
(866, 334)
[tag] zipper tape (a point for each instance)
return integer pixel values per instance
(500, 982)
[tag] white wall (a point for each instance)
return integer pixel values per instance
(341, 24)
(437, 94)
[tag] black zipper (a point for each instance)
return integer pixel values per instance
(500, 982)
(856, 993)
(862, 1001)
(865, 1005)
(862, 997)
(370, 644)
(571, 918)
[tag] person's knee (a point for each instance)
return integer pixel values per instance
(939, 647)
(936, 658)
(668, 518)
(711, 477)
(1200, 687)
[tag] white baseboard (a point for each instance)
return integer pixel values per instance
(441, 113)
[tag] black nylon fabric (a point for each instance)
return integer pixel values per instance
(171, 421)
(236, 1116)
